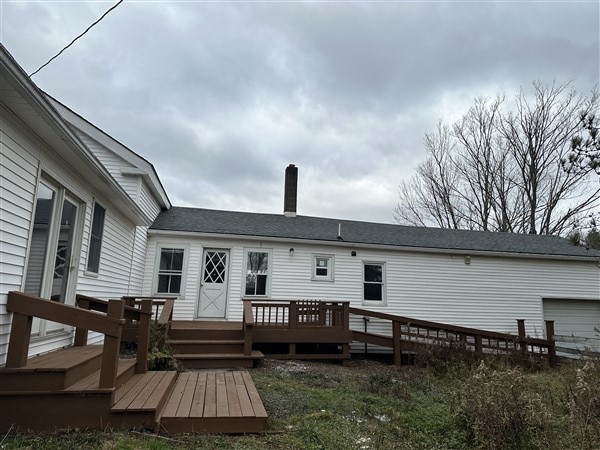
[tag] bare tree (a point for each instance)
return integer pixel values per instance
(502, 171)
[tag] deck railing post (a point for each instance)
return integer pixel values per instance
(478, 345)
(248, 327)
(143, 340)
(552, 347)
(522, 336)
(110, 351)
(293, 315)
(81, 334)
(18, 344)
(396, 335)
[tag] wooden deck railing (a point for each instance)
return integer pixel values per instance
(136, 326)
(162, 308)
(412, 334)
(25, 307)
(299, 314)
(248, 324)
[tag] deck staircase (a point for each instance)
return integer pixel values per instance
(91, 387)
(211, 344)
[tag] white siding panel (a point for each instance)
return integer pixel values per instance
(18, 180)
(489, 293)
(112, 163)
(147, 201)
(578, 318)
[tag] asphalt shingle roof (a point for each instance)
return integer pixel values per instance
(326, 230)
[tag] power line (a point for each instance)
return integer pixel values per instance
(73, 41)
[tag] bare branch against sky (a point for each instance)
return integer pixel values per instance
(221, 96)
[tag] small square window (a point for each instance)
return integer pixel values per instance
(322, 268)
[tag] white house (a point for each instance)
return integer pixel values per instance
(81, 213)
(212, 259)
(75, 206)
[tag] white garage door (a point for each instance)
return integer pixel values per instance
(575, 318)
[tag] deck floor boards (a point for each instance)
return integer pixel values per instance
(214, 401)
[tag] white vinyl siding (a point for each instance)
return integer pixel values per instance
(490, 293)
(112, 163)
(18, 181)
(147, 201)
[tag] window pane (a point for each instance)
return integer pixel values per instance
(175, 286)
(258, 262)
(321, 272)
(177, 261)
(322, 262)
(373, 272)
(250, 284)
(163, 283)
(373, 292)
(261, 285)
(93, 264)
(39, 240)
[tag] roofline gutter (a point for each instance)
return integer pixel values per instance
(444, 251)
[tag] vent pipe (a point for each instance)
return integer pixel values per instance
(290, 195)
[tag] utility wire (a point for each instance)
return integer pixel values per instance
(73, 41)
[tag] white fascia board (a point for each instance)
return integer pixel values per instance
(118, 148)
(29, 91)
(355, 245)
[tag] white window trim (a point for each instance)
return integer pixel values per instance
(87, 272)
(159, 248)
(330, 276)
(269, 271)
(383, 301)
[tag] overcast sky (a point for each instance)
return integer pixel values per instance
(222, 96)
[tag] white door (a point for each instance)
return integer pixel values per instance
(579, 318)
(213, 285)
(51, 269)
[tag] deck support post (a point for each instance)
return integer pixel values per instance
(552, 360)
(143, 340)
(18, 344)
(521, 328)
(396, 333)
(478, 345)
(110, 353)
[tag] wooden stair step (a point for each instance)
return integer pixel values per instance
(144, 392)
(125, 370)
(189, 346)
(54, 370)
(219, 360)
(213, 402)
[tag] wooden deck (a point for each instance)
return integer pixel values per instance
(90, 387)
(213, 402)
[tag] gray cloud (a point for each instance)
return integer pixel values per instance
(222, 96)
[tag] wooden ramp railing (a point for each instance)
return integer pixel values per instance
(25, 307)
(162, 312)
(413, 335)
(136, 319)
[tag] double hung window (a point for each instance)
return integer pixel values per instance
(170, 270)
(257, 273)
(374, 282)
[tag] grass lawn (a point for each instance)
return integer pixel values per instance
(444, 403)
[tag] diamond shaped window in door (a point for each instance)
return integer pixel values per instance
(215, 264)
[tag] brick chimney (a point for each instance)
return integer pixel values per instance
(290, 194)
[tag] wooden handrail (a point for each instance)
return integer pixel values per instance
(446, 327)
(166, 315)
(25, 307)
(96, 304)
(32, 306)
(409, 332)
